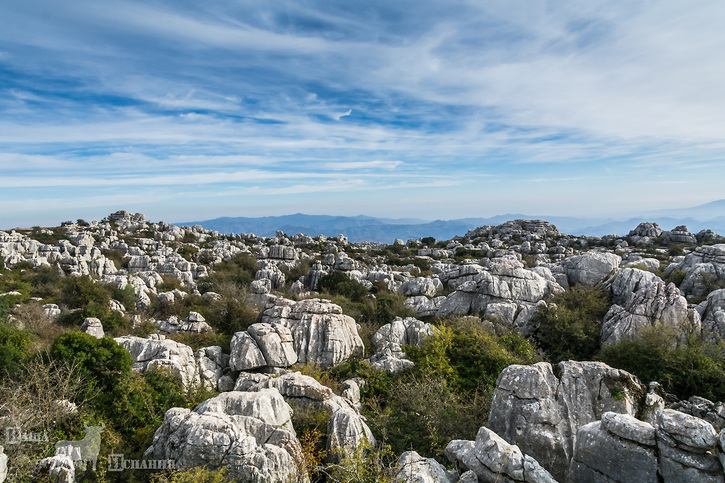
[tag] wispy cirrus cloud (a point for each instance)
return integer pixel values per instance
(166, 95)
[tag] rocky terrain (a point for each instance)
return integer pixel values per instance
(510, 353)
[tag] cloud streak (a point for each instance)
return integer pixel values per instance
(268, 96)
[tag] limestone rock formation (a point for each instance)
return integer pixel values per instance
(541, 413)
(413, 468)
(617, 448)
(648, 301)
(494, 460)
(590, 268)
(157, 352)
(248, 432)
(321, 333)
(704, 270)
(92, 326)
(390, 337)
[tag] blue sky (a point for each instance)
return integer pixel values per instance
(431, 109)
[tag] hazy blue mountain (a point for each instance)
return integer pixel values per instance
(368, 228)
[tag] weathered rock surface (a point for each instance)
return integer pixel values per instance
(590, 268)
(506, 293)
(644, 300)
(541, 413)
(704, 270)
(494, 460)
(248, 432)
(413, 468)
(156, 352)
(713, 316)
(389, 339)
(322, 335)
(92, 326)
(608, 451)
(211, 362)
(58, 468)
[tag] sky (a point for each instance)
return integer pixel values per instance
(186, 110)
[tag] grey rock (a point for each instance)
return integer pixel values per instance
(413, 468)
(541, 413)
(346, 430)
(92, 326)
(322, 334)
(712, 412)
(695, 433)
(58, 468)
(652, 304)
(211, 362)
(599, 455)
(704, 270)
(275, 342)
(590, 268)
(493, 459)
(3, 465)
(156, 352)
(628, 427)
(245, 353)
(713, 320)
(248, 432)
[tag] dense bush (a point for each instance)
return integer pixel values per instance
(446, 395)
(338, 283)
(86, 298)
(692, 367)
(13, 347)
(239, 270)
(103, 359)
(569, 326)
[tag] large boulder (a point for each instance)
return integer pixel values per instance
(413, 468)
(421, 286)
(322, 335)
(687, 450)
(704, 270)
(211, 362)
(617, 448)
(506, 294)
(250, 433)
(390, 338)
(541, 413)
(590, 268)
(346, 428)
(262, 345)
(157, 352)
(713, 317)
(651, 302)
(494, 460)
(92, 326)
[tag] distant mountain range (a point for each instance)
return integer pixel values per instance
(367, 228)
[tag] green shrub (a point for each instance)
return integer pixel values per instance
(570, 325)
(13, 347)
(101, 358)
(467, 355)
(338, 283)
(693, 367)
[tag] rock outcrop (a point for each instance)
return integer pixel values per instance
(390, 338)
(157, 352)
(541, 413)
(644, 300)
(248, 432)
(322, 335)
(493, 459)
(590, 268)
